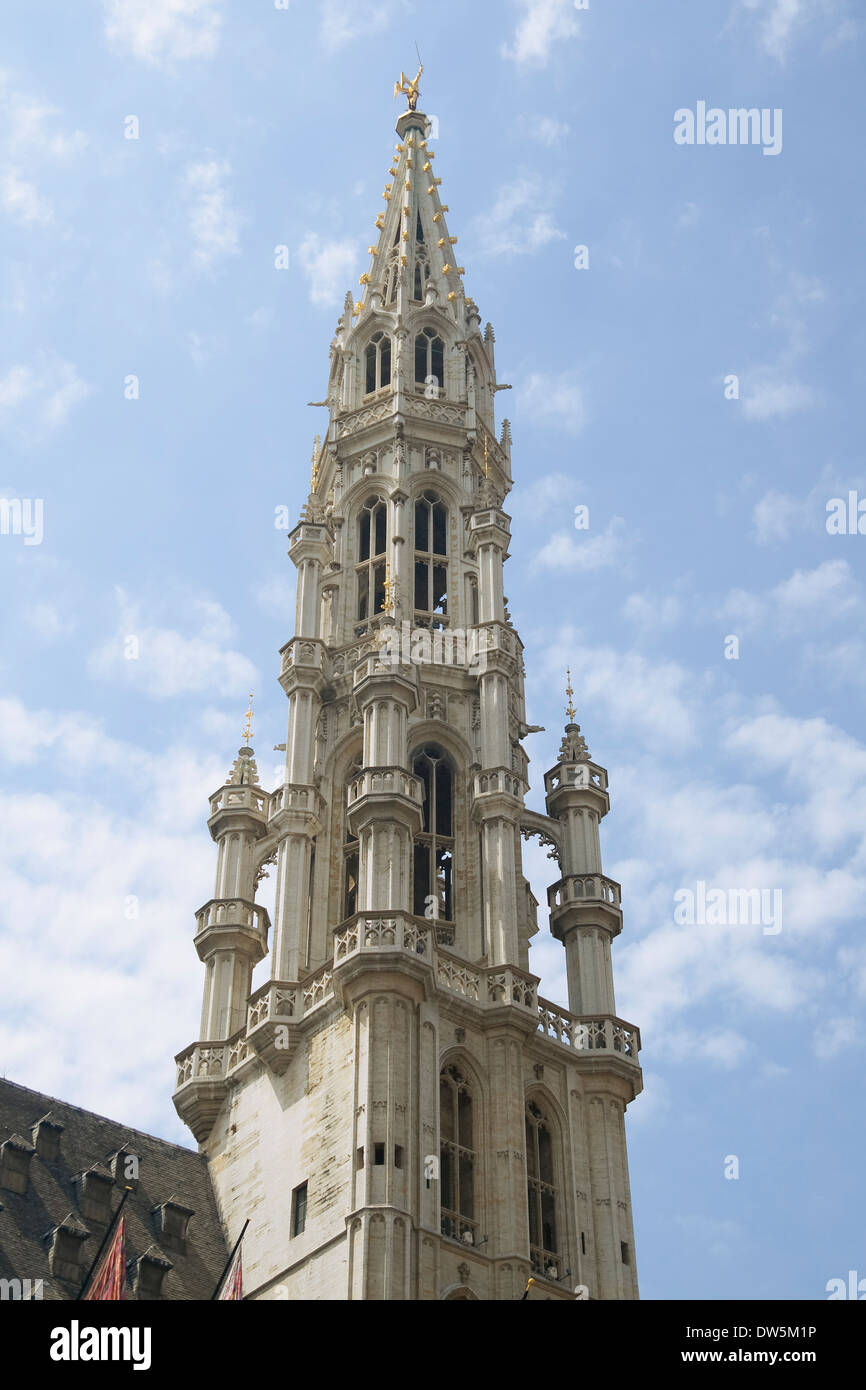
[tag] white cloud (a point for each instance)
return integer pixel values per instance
(835, 1035)
(23, 201)
(161, 31)
(213, 224)
(807, 601)
(276, 597)
(777, 514)
(557, 400)
(545, 129)
(36, 400)
(582, 551)
(203, 347)
(327, 265)
(543, 23)
(343, 21)
(768, 397)
(516, 225)
(170, 663)
(550, 495)
(780, 23)
(650, 614)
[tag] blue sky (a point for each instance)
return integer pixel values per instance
(154, 258)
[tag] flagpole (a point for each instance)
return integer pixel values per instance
(228, 1263)
(108, 1234)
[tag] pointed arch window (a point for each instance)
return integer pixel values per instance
(431, 557)
(429, 359)
(541, 1193)
(377, 363)
(370, 569)
(350, 853)
(419, 230)
(433, 855)
(457, 1157)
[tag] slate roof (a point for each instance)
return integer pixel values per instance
(167, 1172)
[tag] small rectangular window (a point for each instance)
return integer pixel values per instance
(398, 1156)
(299, 1209)
(582, 1243)
(359, 1157)
(379, 1155)
(623, 1250)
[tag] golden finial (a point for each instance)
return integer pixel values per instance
(317, 446)
(569, 709)
(249, 723)
(390, 586)
(409, 87)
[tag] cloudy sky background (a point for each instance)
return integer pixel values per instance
(261, 126)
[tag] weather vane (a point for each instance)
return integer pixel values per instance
(569, 709)
(249, 724)
(409, 87)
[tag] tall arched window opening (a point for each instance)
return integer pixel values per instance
(541, 1193)
(429, 359)
(372, 547)
(457, 1157)
(431, 552)
(377, 363)
(433, 861)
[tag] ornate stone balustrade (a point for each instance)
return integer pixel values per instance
(579, 888)
(355, 420)
(496, 782)
(232, 798)
(583, 774)
(291, 797)
(318, 989)
(386, 781)
(202, 1061)
(274, 1001)
(232, 912)
(301, 653)
(506, 985)
(372, 931)
(601, 1032)
(463, 979)
(503, 984)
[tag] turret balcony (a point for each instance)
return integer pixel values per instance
(378, 941)
(235, 798)
(602, 1036)
(577, 784)
(303, 654)
(294, 806)
(273, 1023)
(201, 1085)
(497, 789)
(382, 793)
(585, 900)
(232, 924)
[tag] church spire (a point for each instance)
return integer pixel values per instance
(414, 256)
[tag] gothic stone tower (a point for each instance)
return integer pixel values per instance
(396, 1110)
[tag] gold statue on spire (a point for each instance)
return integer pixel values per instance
(249, 724)
(390, 586)
(569, 709)
(409, 87)
(317, 445)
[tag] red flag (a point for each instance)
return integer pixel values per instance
(233, 1284)
(110, 1277)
